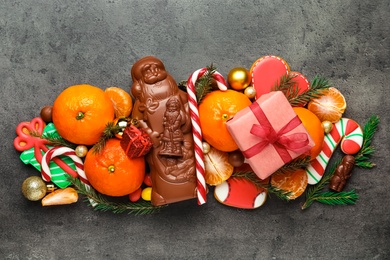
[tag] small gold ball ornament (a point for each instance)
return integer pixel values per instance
(250, 92)
(81, 151)
(34, 188)
(205, 147)
(327, 126)
(239, 78)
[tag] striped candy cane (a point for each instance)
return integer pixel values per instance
(348, 133)
(65, 151)
(196, 130)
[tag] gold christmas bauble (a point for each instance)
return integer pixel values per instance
(239, 78)
(250, 92)
(81, 151)
(327, 125)
(34, 188)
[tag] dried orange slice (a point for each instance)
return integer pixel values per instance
(330, 106)
(294, 182)
(217, 166)
(121, 100)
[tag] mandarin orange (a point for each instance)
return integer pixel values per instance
(294, 182)
(112, 172)
(330, 106)
(217, 166)
(81, 112)
(314, 127)
(123, 104)
(217, 108)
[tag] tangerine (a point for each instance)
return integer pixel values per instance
(314, 127)
(294, 182)
(330, 106)
(217, 108)
(81, 112)
(112, 172)
(123, 104)
(217, 166)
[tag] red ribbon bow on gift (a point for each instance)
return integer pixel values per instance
(279, 140)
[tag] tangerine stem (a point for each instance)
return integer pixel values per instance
(111, 168)
(225, 117)
(80, 115)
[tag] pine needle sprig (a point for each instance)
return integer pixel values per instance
(336, 198)
(315, 190)
(252, 177)
(55, 139)
(109, 131)
(296, 164)
(287, 85)
(318, 85)
(204, 84)
(363, 156)
(101, 203)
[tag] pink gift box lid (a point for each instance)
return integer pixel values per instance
(279, 113)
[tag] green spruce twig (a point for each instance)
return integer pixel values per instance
(252, 177)
(55, 139)
(204, 84)
(296, 164)
(336, 198)
(318, 85)
(362, 159)
(315, 190)
(101, 203)
(109, 131)
(287, 85)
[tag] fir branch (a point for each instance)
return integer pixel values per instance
(109, 131)
(318, 85)
(281, 194)
(296, 164)
(252, 177)
(336, 198)
(287, 85)
(204, 84)
(363, 156)
(101, 203)
(55, 139)
(313, 191)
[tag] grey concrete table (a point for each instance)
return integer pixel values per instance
(46, 46)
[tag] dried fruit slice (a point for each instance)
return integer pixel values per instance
(294, 182)
(60, 197)
(121, 100)
(330, 106)
(217, 166)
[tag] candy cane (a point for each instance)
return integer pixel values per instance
(65, 151)
(346, 131)
(196, 130)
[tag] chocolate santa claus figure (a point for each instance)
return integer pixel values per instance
(162, 110)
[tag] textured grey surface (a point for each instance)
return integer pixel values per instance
(46, 46)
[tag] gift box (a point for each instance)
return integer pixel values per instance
(269, 133)
(136, 142)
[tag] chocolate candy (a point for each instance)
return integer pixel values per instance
(342, 173)
(162, 111)
(46, 113)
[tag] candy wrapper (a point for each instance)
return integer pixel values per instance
(269, 133)
(136, 142)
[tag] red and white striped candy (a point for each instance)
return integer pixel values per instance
(196, 130)
(346, 131)
(65, 151)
